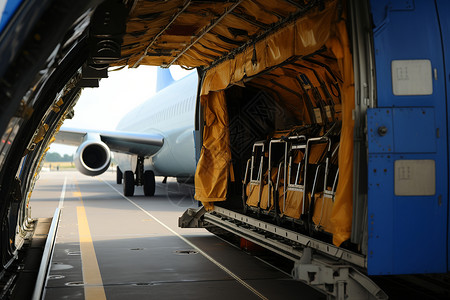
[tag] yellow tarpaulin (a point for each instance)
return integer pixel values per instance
(302, 37)
(211, 176)
(294, 204)
(322, 212)
(253, 195)
(341, 215)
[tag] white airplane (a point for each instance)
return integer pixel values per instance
(156, 138)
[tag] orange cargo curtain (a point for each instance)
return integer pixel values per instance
(213, 168)
(302, 37)
(341, 214)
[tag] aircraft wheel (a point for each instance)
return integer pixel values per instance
(119, 175)
(149, 183)
(128, 183)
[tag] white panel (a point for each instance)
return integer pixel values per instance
(412, 77)
(415, 177)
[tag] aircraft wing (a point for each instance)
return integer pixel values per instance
(142, 144)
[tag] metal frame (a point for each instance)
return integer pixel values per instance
(333, 270)
(283, 235)
(328, 194)
(326, 268)
(251, 164)
(46, 257)
(295, 186)
(365, 97)
(274, 187)
(319, 140)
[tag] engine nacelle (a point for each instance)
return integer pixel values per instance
(92, 157)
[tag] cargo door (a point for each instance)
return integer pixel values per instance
(443, 9)
(407, 139)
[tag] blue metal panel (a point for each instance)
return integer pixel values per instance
(443, 8)
(414, 130)
(381, 218)
(408, 234)
(381, 134)
(400, 238)
(9, 10)
(401, 5)
(417, 246)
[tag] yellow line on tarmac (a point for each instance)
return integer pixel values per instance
(93, 284)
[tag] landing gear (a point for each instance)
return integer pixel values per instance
(149, 183)
(145, 179)
(128, 183)
(119, 175)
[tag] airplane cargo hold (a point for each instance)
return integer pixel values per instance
(279, 129)
(278, 140)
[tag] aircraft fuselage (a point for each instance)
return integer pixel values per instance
(171, 113)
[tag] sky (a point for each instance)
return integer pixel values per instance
(102, 108)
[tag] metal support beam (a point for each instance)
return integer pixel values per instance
(282, 236)
(152, 42)
(205, 31)
(248, 19)
(335, 280)
(365, 97)
(192, 218)
(318, 264)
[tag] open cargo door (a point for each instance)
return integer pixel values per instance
(407, 133)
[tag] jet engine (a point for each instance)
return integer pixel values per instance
(93, 156)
